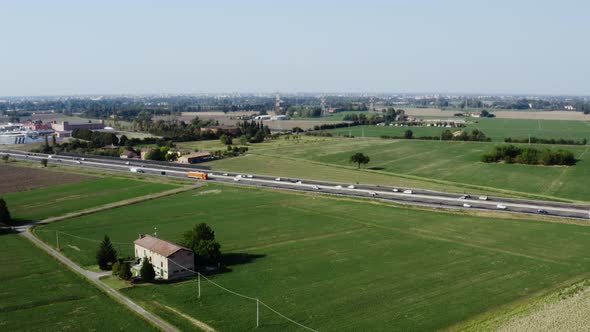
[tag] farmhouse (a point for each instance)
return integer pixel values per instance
(170, 260)
(194, 158)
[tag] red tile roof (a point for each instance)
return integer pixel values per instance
(158, 246)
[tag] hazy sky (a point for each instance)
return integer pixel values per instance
(473, 46)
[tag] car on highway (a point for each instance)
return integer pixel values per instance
(408, 192)
(395, 190)
(350, 187)
(501, 207)
(237, 178)
(277, 179)
(225, 174)
(542, 211)
(85, 159)
(338, 187)
(78, 162)
(465, 197)
(298, 182)
(249, 176)
(316, 188)
(483, 198)
(466, 205)
(127, 163)
(372, 193)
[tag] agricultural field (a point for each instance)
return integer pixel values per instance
(496, 129)
(58, 200)
(338, 264)
(454, 163)
(16, 179)
(39, 294)
(502, 114)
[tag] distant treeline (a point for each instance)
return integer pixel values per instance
(335, 125)
(512, 154)
(536, 140)
(474, 136)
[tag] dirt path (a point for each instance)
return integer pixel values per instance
(93, 277)
(195, 322)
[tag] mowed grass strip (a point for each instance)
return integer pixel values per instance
(39, 294)
(335, 264)
(58, 200)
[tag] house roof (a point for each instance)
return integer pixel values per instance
(196, 155)
(158, 246)
(129, 154)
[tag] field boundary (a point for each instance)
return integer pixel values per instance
(118, 204)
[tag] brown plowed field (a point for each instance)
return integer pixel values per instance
(13, 179)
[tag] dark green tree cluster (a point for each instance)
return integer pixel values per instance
(201, 239)
(254, 131)
(535, 140)
(5, 217)
(98, 138)
(106, 255)
(147, 272)
(122, 269)
(359, 158)
(512, 154)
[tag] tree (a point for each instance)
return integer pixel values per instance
(53, 140)
(123, 140)
(44, 162)
(147, 272)
(225, 140)
(125, 271)
(4, 213)
(106, 255)
(408, 134)
(116, 267)
(201, 239)
(243, 140)
(359, 158)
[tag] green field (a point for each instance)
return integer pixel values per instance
(339, 264)
(454, 166)
(58, 200)
(39, 294)
(496, 129)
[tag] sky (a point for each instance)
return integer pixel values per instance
(371, 46)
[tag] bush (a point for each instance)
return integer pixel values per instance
(147, 272)
(529, 156)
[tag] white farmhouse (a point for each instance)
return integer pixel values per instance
(170, 260)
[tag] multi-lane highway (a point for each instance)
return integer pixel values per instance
(412, 196)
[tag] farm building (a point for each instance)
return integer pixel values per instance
(195, 157)
(129, 155)
(170, 260)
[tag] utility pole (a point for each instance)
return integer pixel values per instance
(257, 313)
(199, 283)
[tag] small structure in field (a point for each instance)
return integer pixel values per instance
(170, 260)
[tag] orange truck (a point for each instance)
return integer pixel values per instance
(198, 175)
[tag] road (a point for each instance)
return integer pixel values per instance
(409, 196)
(94, 278)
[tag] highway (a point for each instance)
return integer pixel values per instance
(410, 196)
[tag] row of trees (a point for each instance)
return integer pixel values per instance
(475, 135)
(535, 140)
(512, 154)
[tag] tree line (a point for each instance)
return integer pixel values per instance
(512, 154)
(475, 135)
(536, 140)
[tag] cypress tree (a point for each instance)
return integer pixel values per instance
(106, 255)
(4, 213)
(147, 272)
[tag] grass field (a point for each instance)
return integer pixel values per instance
(54, 201)
(336, 264)
(447, 166)
(39, 294)
(496, 129)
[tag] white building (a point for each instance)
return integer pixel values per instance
(170, 260)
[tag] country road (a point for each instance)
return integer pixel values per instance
(94, 278)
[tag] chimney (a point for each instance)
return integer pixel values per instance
(141, 236)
